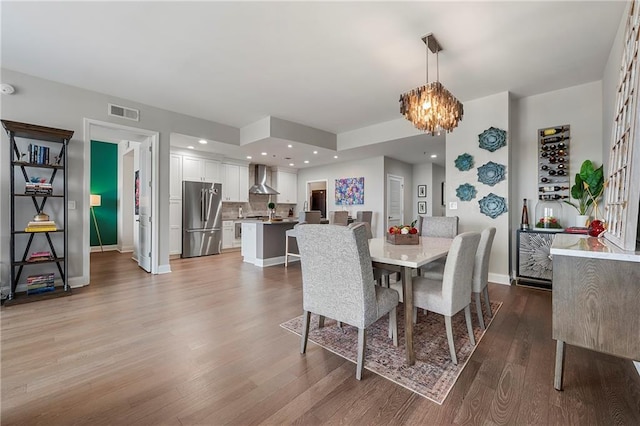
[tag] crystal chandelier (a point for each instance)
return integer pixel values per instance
(431, 108)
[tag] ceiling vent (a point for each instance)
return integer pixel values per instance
(124, 112)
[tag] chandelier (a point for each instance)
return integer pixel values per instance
(431, 108)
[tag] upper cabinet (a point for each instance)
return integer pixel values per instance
(175, 177)
(235, 183)
(286, 183)
(200, 169)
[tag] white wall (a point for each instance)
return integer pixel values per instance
(479, 115)
(372, 169)
(51, 104)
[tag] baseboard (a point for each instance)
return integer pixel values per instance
(77, 282)
(272, 261)
(113, 247)
(499, 279)
(164, 269)
(126, 249)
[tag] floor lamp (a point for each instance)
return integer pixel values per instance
(96, 201)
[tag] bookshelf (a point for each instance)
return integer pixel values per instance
(38, 156)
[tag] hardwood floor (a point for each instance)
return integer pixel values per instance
(202, 345)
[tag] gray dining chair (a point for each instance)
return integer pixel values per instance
(337, 282)
(364, 216)
(438, 227)
(380, 275)
(339, 217)
(480, 273)
(312, 216)
(452, 293)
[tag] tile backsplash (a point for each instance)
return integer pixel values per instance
(257, 205)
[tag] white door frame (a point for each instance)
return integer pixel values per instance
(388, 196)
(326, 193)
(89, 125)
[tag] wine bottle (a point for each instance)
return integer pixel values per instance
(561, 166)
(552, 197)
(553, 188)
(561, 172)
(524, 220)
(544, 147)
(562, 152)
(544, 180)
(551, 147)
(554, 139)
(544, 154)
(561, 145)
(552, 159)
(544, 167)
(552, 172)
(552, 131)
(561, 159)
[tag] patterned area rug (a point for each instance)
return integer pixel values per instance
(433, 374)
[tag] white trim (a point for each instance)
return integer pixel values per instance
(326, 195)
(110, 247)
(164, 269)
(126, 249)
(499, 279)
(272, 261)
(155, 138)
(77, 282)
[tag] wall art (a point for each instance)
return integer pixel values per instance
(464, 162)
(492, 205)
(422, 207)
(491, 173)
(422, 191)
(492, 139)
(466, 192)
(349, 191)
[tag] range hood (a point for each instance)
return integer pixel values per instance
(261, 186)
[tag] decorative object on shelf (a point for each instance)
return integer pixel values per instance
(548, 214)
(466, 192)
(587, 190)
(492, 205)
(349, 191)
(491, 173)
(524, 219)
(597, 228)
(422, 207)
(431, 108)
(96, 201)
(422, 191)
(464, 162)
(403, 234)
(492, 139)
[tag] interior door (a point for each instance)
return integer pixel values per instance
(395, 200)
(145, 195)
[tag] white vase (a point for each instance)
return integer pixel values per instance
(581, 220)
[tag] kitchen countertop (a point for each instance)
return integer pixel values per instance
(592, 247)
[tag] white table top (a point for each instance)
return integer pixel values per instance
(413, 256)
(586, 246)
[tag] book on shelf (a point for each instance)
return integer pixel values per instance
(576, 230)
(40, 229)
(41, 277)
(40, 285)
(40, 290)
(40, 256)
(36, 223)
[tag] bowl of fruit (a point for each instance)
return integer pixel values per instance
(403, 234)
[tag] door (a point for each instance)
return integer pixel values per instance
(318, 201)
(395, 200)
(145, 202)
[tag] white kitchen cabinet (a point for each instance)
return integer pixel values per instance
(200, 169)
(235, 183)
(175, 226)
(175, 177)
(249, 240)
(286, 183)
(228, 234)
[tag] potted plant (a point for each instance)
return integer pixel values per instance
(587, 189)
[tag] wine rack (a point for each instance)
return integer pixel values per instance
(553, 163)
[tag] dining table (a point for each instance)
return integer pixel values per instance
(406, 258)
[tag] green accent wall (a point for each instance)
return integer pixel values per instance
(104, 182)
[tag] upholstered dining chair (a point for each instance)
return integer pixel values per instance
(440, 227)
(312, 216)
(364, 216)
(452, 293)
(480, 273)
(337, 282)
(339, 217)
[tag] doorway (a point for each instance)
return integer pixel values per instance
(317, 197)
(98, 130)
(395, 201)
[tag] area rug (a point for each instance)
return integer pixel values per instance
(433, 374)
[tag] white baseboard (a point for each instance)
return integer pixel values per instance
(499, 279)
(77, 282)
(164, 269)
(113, 247)
(126, 249)
(272, 261)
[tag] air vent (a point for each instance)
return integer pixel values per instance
(124, 112)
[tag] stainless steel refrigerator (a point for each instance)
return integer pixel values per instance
(201, 218)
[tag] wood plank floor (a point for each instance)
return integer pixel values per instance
(202, 346)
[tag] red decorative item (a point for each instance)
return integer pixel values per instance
(596, 227)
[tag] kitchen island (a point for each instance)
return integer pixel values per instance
(263, 242)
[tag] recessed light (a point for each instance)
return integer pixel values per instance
(315, 152)
(190, 147)
(335, 156)
(291, 164)
(434, 156)
(263, 153)
(306, 161)
(289, 146)
(249, 157)
(202, 141)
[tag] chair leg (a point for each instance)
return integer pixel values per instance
(467, 316)
(393, 325)
(384, 281)
(305, 332)
(486, 299)
(339, 324)
(452, 348)
(479, 310)
(321, 321)
(362, 342)
(286, 252)
(415, 315)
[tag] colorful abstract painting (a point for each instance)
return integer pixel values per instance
(349, 191)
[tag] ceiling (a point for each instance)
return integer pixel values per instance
(335, 66)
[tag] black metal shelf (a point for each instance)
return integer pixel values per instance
(36, 232)
(36, 165)
(26, 262)
(38, 195)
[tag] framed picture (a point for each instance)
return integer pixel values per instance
(422, 207)
(422, 191)
(442, 197)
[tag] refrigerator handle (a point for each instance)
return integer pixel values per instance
(202, 205)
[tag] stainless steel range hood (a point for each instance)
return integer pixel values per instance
(261, 186)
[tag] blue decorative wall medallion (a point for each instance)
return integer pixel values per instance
(466, 192)
(464, 162)
(491, 173)
(492, 205)
(492, 139)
